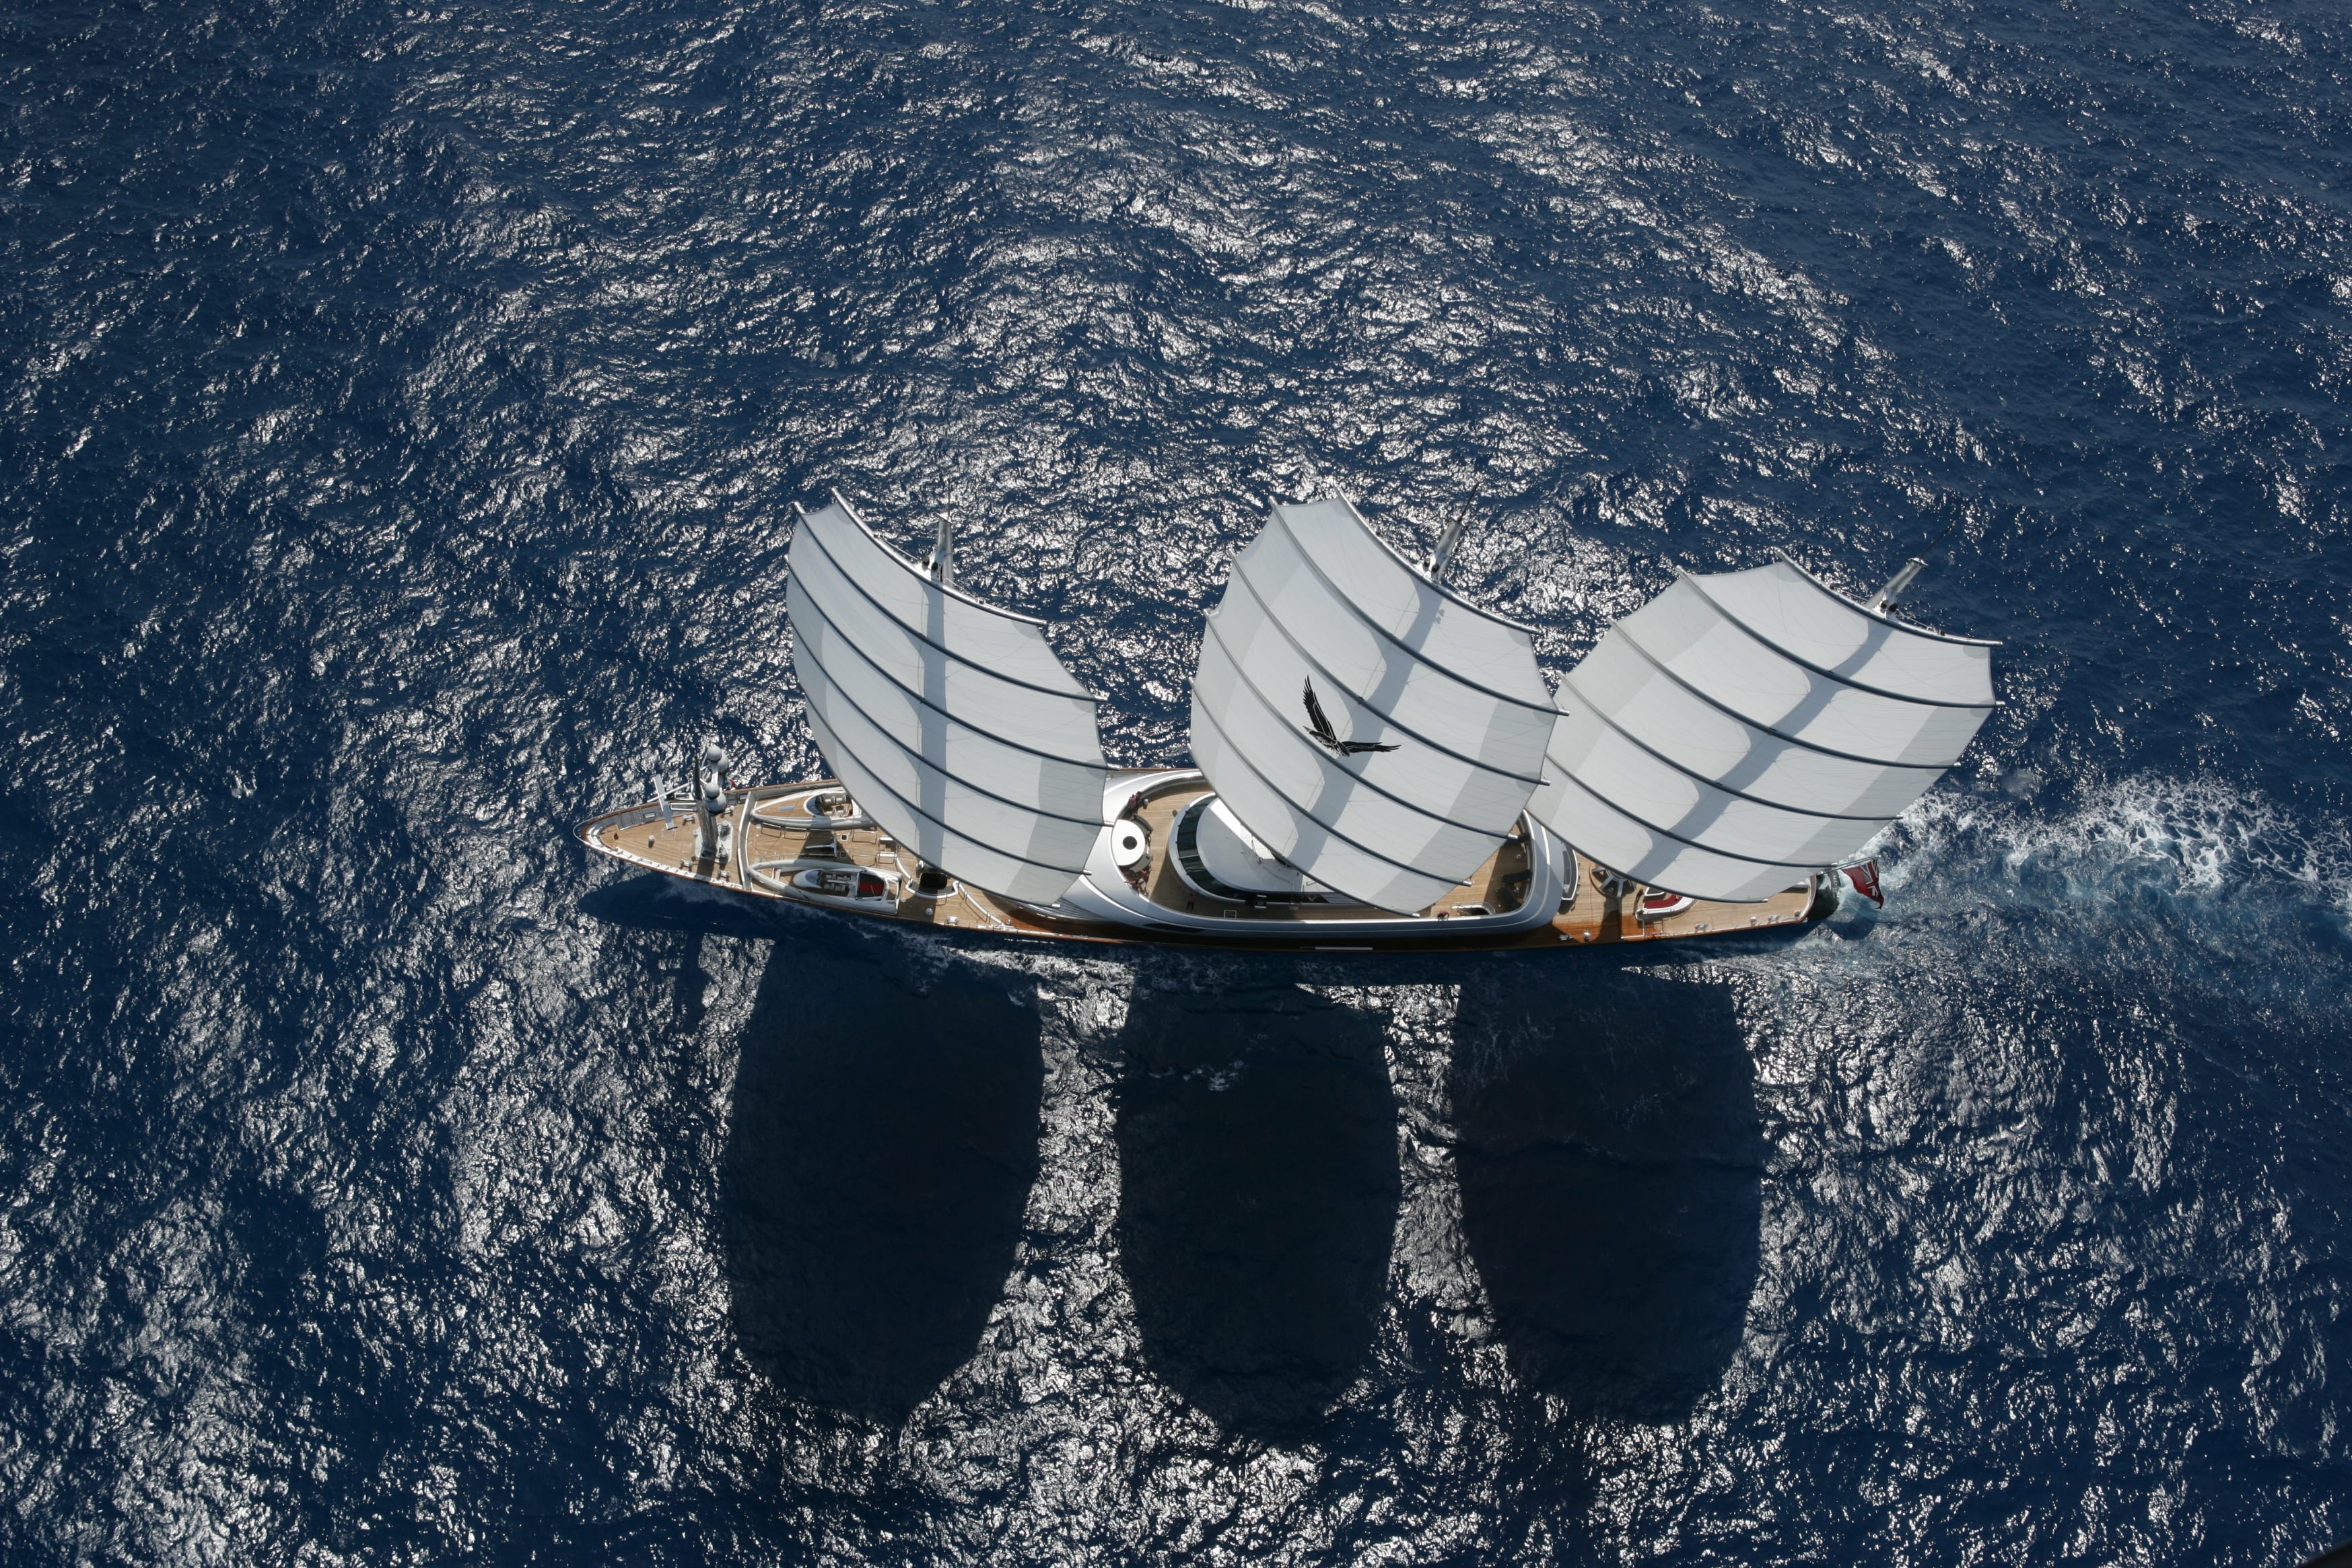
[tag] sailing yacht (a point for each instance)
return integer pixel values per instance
(1378, 764)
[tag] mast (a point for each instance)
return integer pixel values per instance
(711, 831)
(951, 721)
(1375, 731)
(1433, 568)
(1743, 730)
(1891, 596)
(943, 553)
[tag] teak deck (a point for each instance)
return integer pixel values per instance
(637, 835)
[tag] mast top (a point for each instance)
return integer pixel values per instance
(1889, 597)
(1442, 557)
(943, 553)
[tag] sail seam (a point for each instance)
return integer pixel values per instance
(1927, 634)
(1405, 562)
(1692, 843)
(1324, 670)
(1732, 713)
(1356, 613)
(956, 779)
(851, 644)
(1805, 663)
(1095, 822)
(1610, 719)
(915, 568)
(1201, 713)
(882, 788)
(1077, 694)
(1267, 703)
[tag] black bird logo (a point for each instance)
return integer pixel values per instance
(1319, 727)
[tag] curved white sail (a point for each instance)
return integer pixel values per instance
(951, 721)
(1431, 712)
(1742, 731)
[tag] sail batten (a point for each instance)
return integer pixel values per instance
(1733, 713)
(1340, 861)
(1401, 866)
(1400, 642)
(952, 722)
(1009, 793)
(1843, 677)
(811, 612)
(1694, 775)
(1265, 704)
(1742, 731)
(1378, 733)
(1342, 695)
(1066, 686)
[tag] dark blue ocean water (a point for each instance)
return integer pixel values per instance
(402, 407)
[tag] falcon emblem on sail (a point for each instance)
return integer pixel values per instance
(1320, 605)
(1319, 725)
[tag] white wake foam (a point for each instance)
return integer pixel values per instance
(2198, 838)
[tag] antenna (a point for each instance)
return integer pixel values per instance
(943, 553)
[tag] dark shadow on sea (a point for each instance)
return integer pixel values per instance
(884, 1143)
(879, 1164)
(652, 902)
(1612, 1170)
(1257, 1148)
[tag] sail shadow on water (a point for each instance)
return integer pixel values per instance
(879, 1160)
(657, 904)
(652, 902)
(1257, 1150)
(1611, 1160)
